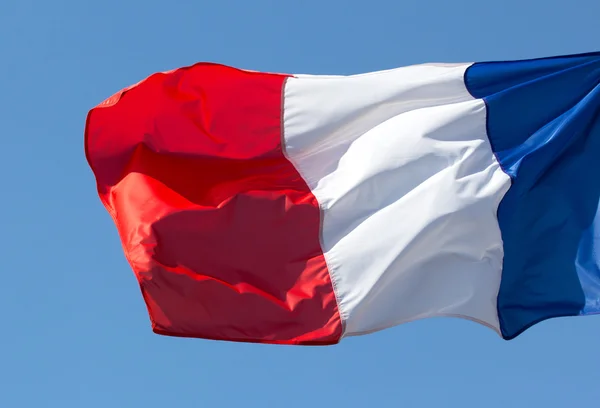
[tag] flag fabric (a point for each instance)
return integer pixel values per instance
(302, 209)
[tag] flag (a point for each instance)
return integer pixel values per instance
(303, 209)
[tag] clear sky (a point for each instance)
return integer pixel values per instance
(74, 329)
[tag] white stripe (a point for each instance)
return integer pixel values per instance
(409, 187)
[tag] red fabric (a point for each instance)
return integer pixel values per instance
(218, 226)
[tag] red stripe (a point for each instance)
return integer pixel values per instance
(220, 229)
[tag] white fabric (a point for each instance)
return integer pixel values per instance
(408, 185)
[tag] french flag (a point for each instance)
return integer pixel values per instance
(303, 209)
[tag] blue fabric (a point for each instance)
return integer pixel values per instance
(543, 122)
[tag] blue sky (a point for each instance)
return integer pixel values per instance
(74, 329)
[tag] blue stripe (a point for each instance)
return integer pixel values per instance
(543, 122)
